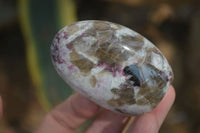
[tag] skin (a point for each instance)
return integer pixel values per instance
(69, 115)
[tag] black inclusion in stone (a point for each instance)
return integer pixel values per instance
(133, 70)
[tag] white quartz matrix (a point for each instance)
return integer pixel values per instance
(111, 65)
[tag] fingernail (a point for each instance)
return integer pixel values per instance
(125, 120)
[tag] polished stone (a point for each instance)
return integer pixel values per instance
(112, 65)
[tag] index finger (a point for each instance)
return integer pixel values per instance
(68, 116)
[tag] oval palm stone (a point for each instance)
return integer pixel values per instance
(112, 65)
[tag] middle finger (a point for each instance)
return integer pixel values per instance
(108, 122)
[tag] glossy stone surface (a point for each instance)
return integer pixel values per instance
(112, 65)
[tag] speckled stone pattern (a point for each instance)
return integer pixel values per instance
(112, 65)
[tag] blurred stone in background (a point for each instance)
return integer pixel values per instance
(174, 26)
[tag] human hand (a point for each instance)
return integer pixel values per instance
(69, 115)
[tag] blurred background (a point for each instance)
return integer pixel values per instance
(30, 86)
